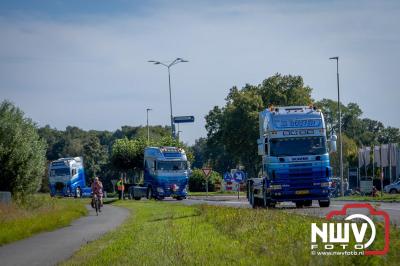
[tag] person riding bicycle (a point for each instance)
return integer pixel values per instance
(97, 189)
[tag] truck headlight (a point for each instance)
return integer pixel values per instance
(275, 187)
(160, 190)
(325, 184)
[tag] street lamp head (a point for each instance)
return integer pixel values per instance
(334, 58)
(155, 62)
(149, 109)
(181, 60)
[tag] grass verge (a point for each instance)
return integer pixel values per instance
(386, 198)
(159, 233)
(39, 213)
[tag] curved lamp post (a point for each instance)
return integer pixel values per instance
(168, 66)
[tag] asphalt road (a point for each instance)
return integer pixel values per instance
(49, 248)
(393, 209)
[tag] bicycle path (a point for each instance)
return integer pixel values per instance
(50, 248)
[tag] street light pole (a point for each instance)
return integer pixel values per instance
(168, 66)
(340, 124)
(148, 130)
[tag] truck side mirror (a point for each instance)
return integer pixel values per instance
(332, 142)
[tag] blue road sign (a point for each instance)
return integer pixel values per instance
(227, 177)
(184, 119)
(239, 176)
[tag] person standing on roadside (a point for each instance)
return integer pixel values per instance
(120, 188)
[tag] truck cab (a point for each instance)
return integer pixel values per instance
(295, 158)
(166, 174)
(67, 178)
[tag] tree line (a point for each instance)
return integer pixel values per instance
(232, 131)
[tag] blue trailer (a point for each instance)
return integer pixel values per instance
(295, 158)
(67, 178)
(166, 174)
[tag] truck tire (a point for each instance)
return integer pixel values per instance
(393, 191)
(251, 198)
(256, 202)
(137, 198)
(308, 203)
(78, 193)
(149, 193)
(267, 203)
(299, 204)
(324, 203)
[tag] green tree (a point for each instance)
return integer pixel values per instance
(22, 152)
(349, 156)
(95, 156)
(285, 90)
(233, 130)
(197, 181)
(390, 135)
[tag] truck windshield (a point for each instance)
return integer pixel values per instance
(298, 146)
(60, 171)
(171, 165)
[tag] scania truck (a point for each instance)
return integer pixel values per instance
(295, 159)
(67, 178)
(166, 174)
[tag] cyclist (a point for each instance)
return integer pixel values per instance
(97, 189)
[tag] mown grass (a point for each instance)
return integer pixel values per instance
(160, 233)
(386, 198)
(39, 213)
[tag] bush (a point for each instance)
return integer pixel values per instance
(22, 152)
(197, 182)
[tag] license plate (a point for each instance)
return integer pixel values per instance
(302, 192)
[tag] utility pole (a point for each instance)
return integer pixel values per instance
(340, 123)
(168, 66)
(148, 130)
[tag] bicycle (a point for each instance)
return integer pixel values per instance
(96, 204)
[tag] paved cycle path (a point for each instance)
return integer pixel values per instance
(50, 248)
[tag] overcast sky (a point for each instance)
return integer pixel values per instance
(84, 63)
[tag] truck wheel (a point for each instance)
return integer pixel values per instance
(299, 204)
(324, 203)
(308, 203)
(78, 193)
(137, 198)
(393, 191)
(251, 199)
(256, 202)
(179, 198)
(149, 193)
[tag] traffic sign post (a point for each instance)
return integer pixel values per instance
(227, 177)
(206, 171)
(184, 119)
(238, 176)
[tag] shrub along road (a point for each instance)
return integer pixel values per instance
(51, 248)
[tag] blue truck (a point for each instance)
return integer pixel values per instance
(67, 178)
(166, 174)
(295, 158)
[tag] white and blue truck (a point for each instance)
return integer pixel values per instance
(166, 174)
(295, 159)
(67, 178)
